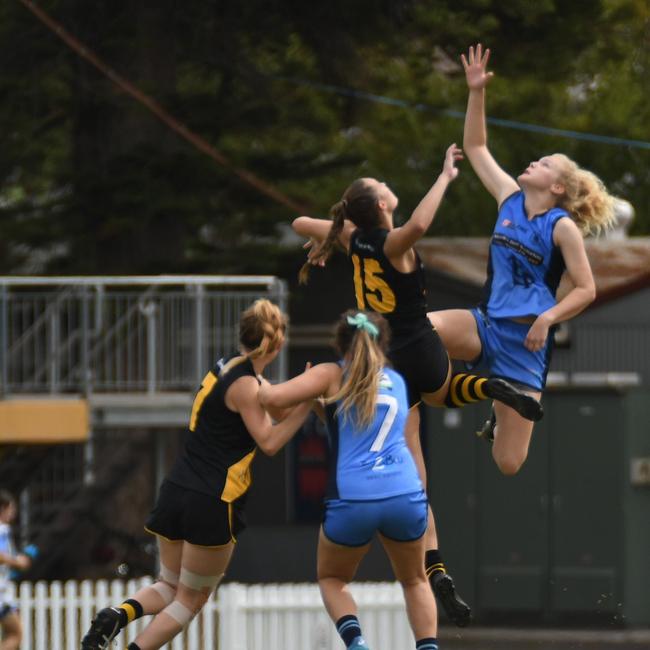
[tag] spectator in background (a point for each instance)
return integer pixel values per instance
(10, 560)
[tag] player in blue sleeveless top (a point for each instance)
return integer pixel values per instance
(538, 235)
(199, 510)
(373, 485)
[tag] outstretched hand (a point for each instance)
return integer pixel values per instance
(475, 65)
(313, 248)
(452, 155)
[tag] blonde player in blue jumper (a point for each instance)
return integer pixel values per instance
(542, 218)
(373, 485)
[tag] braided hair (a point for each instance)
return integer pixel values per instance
(359, 204)
(261, 331)
(261, 328)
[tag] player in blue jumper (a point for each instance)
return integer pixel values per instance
(373, 484)
(538, 236)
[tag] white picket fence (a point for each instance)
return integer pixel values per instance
(242, 617)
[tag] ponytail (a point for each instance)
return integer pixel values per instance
(362, 338)
(338, 214)
(358, 205)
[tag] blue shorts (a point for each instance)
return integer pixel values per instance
(504, 355)
(402, 518)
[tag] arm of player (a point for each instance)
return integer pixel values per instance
(499, 184)
(400, 240)
(316, 230)
(276, 414)
(315, 382)
(242, 397)
(569, 239)
(21, 562)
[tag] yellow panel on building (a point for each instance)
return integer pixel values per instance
(43, 420)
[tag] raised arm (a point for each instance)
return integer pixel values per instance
(242, 398)
(400, 240)
(499, 184)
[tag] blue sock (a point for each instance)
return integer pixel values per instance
(349, 629)
(429, 643)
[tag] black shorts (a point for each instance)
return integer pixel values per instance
(194, 517)
(424, 364)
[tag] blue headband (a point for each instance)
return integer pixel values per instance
(361, 322)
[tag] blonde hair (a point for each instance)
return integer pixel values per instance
(585, 197)
(261, 331)
(367, 356)
(359, 204)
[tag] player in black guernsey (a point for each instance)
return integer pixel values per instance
(389, 279)
(198, 513)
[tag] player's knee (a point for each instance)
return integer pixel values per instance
(12, 640)
(413, 580)
(166, 591)
(187, 604)
(435, 400)
(198, 599)
(509, 464)
(199, 584)
(182, 612)
(325, 577)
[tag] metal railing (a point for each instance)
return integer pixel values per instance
(119, 334)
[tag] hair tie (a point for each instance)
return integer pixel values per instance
(361, 322)
(344, 203)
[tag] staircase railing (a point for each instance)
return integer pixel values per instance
(121, 334)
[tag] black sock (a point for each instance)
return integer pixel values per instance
(349, 629)
(430, 643)
(135, 646)
(465, 389)
(433, 563)
(129, 610)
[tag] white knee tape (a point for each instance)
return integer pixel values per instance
(166, 591)
(167, 575)
(181, 614)
(199, 582)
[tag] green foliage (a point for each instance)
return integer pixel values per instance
(92, 182)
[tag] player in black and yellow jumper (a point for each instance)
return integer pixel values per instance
(389, 279)
(199, 509)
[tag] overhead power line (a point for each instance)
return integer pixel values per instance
(164, 116)
(510, 124)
